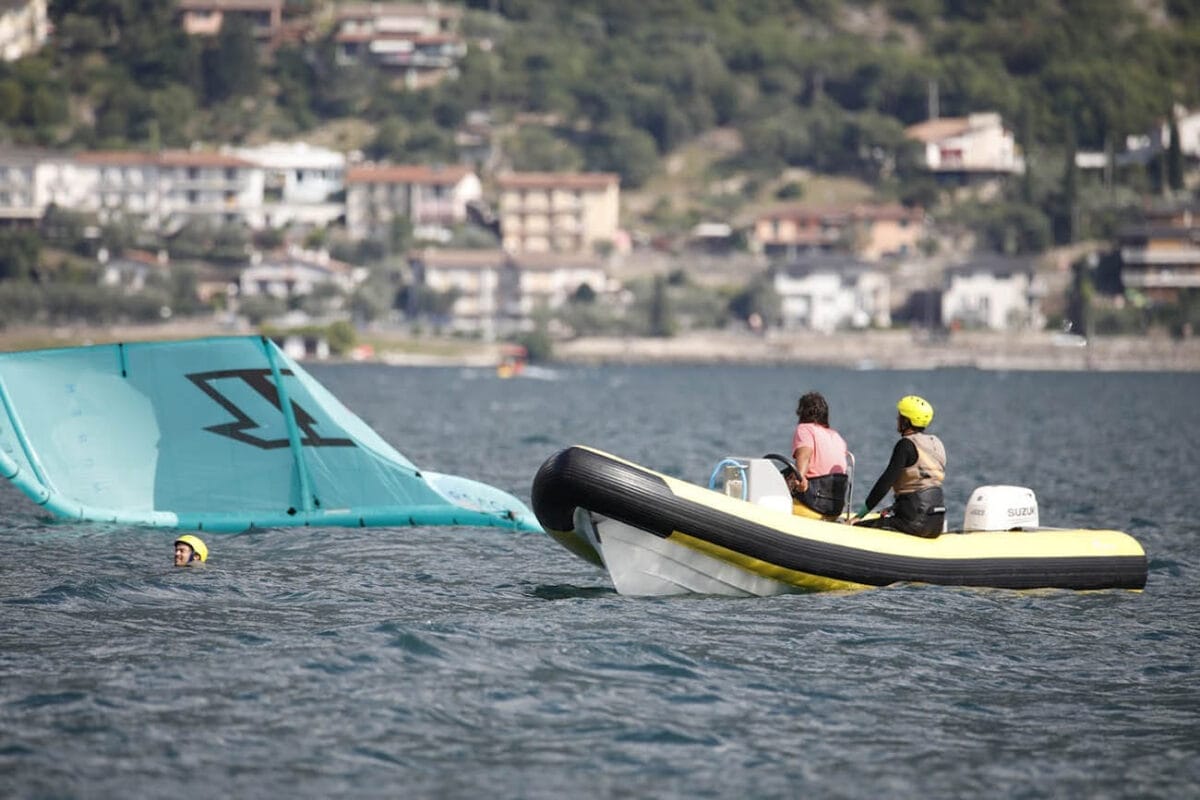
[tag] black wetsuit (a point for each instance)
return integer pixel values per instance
(920, 513)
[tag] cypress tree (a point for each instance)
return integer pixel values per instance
(1174, 158)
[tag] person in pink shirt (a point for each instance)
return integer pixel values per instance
(818, 484)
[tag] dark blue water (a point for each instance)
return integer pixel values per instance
(471, 663)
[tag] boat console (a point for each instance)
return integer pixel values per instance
(757, 480)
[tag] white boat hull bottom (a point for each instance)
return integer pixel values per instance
(644, 565)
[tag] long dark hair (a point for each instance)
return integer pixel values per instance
(813, 408)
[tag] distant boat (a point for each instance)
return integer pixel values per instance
(223, 433)
(513, 358)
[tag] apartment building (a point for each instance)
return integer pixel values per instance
(431, 197)
(481, 283)
(1160, 256)
(21, 195)
(173, 187)
(550, 280)
(558, 212)
(418, 41)
(871, 232)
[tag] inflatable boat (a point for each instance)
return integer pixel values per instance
(658, 535)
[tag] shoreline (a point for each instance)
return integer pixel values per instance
(898, 350)
(891, 349)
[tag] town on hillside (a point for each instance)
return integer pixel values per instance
(292, 234)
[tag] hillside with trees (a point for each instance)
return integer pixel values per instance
(617, 85)
(808, 87)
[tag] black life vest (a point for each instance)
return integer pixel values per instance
(826, 494)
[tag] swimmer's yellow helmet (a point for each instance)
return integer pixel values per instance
(194, 542)
(916, 410)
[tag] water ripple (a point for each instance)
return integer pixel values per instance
(462, 663)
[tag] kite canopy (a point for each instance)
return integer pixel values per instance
(222, 433)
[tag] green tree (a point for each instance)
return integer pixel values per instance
(627, 151)
(535, 148)
(230, 66)
(660, 319)
(19, 254)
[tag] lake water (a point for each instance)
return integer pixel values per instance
(475, 662)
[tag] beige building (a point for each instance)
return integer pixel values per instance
(871, 232)
(558, 212)
(479, 281)
(495, 293)
(433, 197)
(549, 280)
(24, 27)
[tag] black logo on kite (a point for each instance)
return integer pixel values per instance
(262, 382)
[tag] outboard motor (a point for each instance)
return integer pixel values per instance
(1001, 508)
(757, 480)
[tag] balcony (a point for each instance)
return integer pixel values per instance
(1187, 256)
(1161, 279)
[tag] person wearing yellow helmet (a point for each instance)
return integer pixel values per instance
(190, 550)
(914, 475)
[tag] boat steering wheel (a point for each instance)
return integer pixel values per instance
(784, 464)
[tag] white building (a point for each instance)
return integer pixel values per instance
(24, 27)
(830, 293)
(1143, 148)
(20, 200)
(994, 292)
(429, 197)
(975, 144)
(302, 184)
(132, 269)
(165, 189)
(296, 272)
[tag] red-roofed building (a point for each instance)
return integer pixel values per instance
(168, 188)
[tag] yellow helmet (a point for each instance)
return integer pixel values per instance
(916, 410)
(194, 542)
